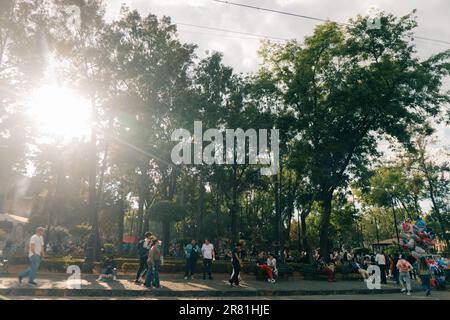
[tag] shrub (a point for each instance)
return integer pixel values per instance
(109, 248)
(6, 226)
(361, 251)
(3, 234)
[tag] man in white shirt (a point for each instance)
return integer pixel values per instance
(35, 254)
(208, 258)
(381, 262)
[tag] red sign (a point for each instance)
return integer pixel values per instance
(129, 239)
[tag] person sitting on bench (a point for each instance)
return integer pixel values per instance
(272, 263)
(109, 269)
(261, 262)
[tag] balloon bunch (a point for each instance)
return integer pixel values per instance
(416, 236)
(439, 266)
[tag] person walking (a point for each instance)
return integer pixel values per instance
(236, 263)
(143, 250)
(380, 260)
(154, 263)
(424, 275)
(413, 262)
(208, 257)
(35, 254)
(396, 272)
(404, 268)
(191, 252)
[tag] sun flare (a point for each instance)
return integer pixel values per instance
(60, 112)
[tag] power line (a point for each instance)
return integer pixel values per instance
(311, 18)
(277, 11)
(231, 31)
(433, 40)
(216, 35)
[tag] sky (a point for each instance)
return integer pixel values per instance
(240, 51)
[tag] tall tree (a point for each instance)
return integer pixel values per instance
(347, 86)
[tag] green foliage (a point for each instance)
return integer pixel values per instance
(361, 251)
(6, 226)
(58, 234)
(166, 211)
(3, 234)
(393, 250)
(109, 249)
(80, 232)
(332, 98)
(36, 221)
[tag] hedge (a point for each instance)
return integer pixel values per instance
(171, 265)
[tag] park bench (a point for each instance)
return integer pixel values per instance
(311, 273)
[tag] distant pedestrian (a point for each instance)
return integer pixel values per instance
(413, 262)
(191, 252)
(154, 263)
(143, 249)
(404, 268)
(35, 254)
(208, 257)
(380, 260)
(236, 263)
(396, 272)
(425, 275)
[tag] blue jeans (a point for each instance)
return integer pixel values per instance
(31, 272)
(425, 280)
(152, 277)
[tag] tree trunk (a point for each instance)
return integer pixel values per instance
(234, 207)
(166, 237)
(325, 225)
(120, 216)
(93, 213)
(305, 243)
(278, 222)
(201, 207)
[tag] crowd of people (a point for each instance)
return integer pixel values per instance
(400, 268)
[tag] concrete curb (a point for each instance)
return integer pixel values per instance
(36, 292)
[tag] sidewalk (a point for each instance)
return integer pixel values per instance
(173, 285)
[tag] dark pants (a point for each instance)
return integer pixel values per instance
(142, 267)
(425, 280)
(396, 276)
(412, 274)
(383, 273)
(152, 278)
(191, 263)
(207, 263)
(234, 278)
